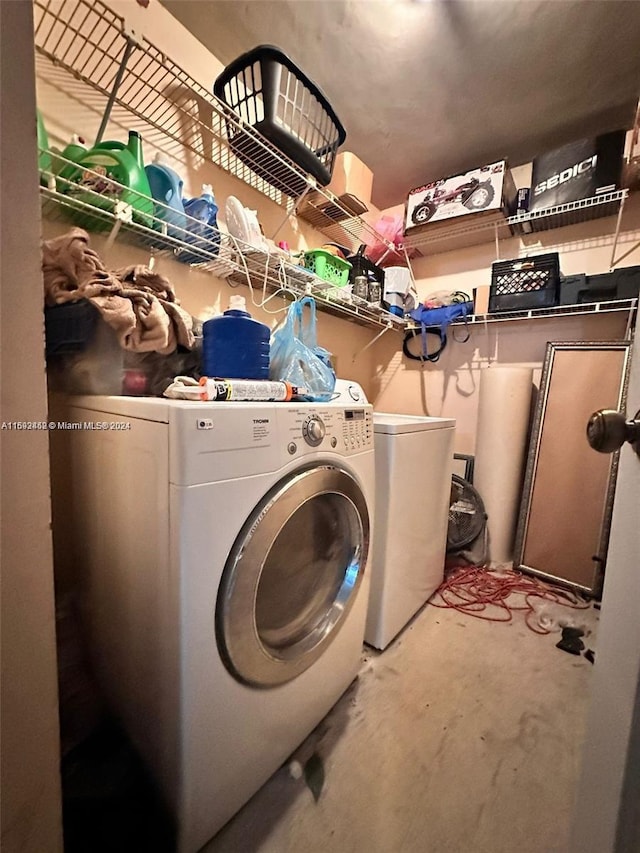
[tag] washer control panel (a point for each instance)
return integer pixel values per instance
(357, 429)
(343, 430)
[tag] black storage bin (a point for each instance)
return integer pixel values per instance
(619, 284)
(69, 327)
(273, 96)
(525, 283)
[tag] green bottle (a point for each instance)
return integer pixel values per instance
(124, 165)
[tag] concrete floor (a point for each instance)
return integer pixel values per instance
(463, 736)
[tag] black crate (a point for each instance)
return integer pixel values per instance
(269, 93)
(525, 283)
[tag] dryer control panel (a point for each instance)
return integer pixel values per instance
(342, 430)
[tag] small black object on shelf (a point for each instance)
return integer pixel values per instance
(362, 266)
(69, 327)
(524, 283)
(270, 94)
(622, 283)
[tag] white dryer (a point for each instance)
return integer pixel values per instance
(224, 547)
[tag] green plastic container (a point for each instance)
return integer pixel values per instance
(66, 172)
(327, 266)
(122, 164)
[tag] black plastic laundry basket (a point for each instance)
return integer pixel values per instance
(271, 95)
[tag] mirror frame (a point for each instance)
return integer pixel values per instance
(534, 454)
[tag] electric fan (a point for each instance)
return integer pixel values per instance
(467, 517)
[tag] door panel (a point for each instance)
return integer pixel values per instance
(606, 817)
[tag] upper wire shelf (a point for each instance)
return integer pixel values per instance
(447, 235)
(86, 50)
(116, 210)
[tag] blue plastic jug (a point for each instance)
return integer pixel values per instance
(166, 187)
(235, 346)
(202, 225)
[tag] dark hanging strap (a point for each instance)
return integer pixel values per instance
(424, 354)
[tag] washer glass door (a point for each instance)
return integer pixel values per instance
(292, 575)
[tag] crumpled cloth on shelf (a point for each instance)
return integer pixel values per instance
(184, 388)
(137, 303)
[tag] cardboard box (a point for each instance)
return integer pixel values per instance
(351, 177)
(481, 299)
(488, 188)
(582, 169)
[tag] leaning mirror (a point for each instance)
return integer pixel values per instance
(565, 514)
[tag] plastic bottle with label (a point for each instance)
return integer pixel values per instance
(202, 225)
(74, 152)
(235, 346)
(166, 188)
(120, 163)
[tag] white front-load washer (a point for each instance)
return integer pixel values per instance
(224, 547)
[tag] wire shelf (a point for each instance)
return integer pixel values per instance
(267, 272)
(572, 213)
(119, 211)
(85, 49)
(135, 219)
(445, 236)
(557, 311)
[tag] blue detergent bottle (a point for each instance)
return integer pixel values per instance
(166, 188)
(202, 225)
(235, 346)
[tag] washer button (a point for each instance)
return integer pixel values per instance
(334, 441)
(292, 447)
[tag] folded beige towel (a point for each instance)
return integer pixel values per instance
(139, 304)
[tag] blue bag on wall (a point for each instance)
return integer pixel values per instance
(435, 321)
(296, 356)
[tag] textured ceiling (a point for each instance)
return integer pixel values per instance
(429, 89)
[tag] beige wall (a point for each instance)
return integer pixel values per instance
(449, 387)
(31, 818)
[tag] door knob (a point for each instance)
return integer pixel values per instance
(607, 431)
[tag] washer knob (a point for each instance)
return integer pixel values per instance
(313, 430)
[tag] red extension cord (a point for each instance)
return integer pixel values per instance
(482, 593)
